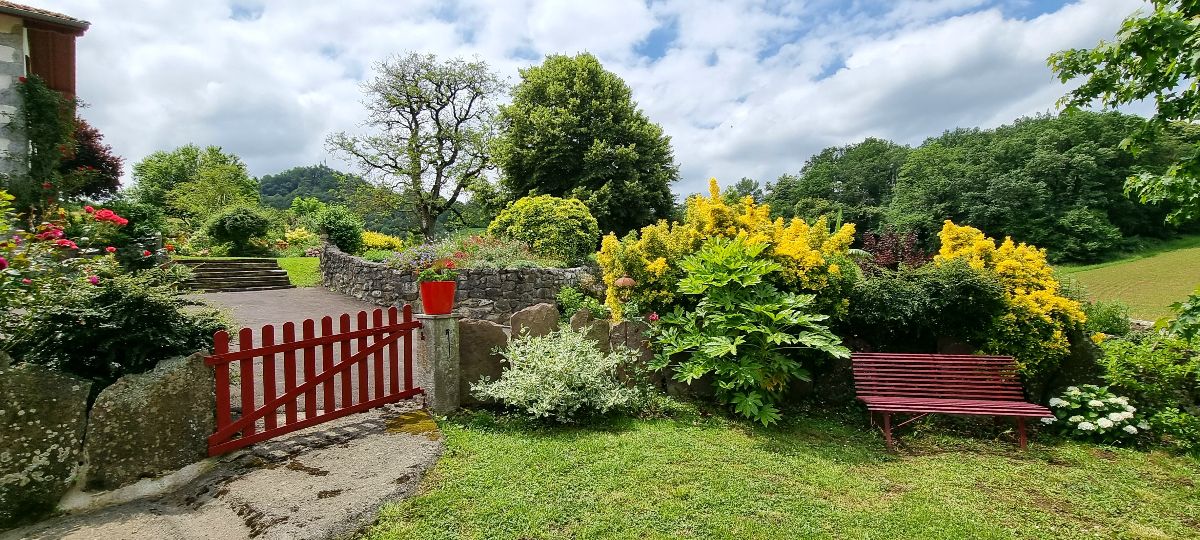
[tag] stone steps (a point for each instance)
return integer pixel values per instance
(235, 275)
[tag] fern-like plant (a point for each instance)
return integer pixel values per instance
(750, 336)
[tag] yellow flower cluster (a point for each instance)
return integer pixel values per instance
(378, 240)
(807, 252)
(1035, 328)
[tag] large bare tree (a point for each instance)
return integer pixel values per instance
(430, 122)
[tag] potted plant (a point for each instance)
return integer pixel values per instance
(438, 286)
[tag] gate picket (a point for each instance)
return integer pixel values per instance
(375, 339)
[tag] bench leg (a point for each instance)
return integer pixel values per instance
(887, 430)
(1021, 432)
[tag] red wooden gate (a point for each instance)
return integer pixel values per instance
(306, 383)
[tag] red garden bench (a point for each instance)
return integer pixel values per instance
(924, 384)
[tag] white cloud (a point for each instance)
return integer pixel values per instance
(745, 88)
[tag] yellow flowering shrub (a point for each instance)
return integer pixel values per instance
(1036, 326)
(299, 235)
(378, 240)
(812, 255)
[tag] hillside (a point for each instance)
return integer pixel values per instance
(1148, 282)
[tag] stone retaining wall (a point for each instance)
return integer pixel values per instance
(487, 294)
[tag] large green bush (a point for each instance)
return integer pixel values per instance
(1161, 375)
(908, 309)
(748, 335)
(552, 227)
(239, 226)
(343, 227)
(560, 376)
(109, 323)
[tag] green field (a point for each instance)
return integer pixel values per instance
(709, 477)
(1148, 282)
(302, 271)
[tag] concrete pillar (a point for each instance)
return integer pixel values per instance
(440, 350)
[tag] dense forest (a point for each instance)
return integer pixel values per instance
(1054, 181)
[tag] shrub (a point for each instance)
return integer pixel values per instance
(1110, 318)
(743, 331)
(1187, 317)
(1157, 371)
(910, 308)
(1178, 429)
(571, 300)
(372, 240)
(343, 227)
(560, 376)
(1038, 318)
(552, 227)
(240, 227)
(893, 250)
(812, 257)
(108, 323)
(1092, 413)
(378, 255)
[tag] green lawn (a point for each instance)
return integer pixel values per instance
(815, 478)
(302, 271)
(1148, 282)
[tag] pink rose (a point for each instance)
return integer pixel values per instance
(3, 263)
(653, 316)
(110, 249)
(94, 280)
(26, 281)
(89, 209)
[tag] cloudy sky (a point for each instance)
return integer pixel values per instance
(743, 87)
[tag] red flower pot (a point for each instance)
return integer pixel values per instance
(437, 297)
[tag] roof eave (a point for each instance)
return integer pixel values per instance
(81, 26)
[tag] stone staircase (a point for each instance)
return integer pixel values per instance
(237, 274)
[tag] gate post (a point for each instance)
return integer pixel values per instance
(439, 354)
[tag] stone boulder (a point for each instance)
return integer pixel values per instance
(593, 329)
(43, 414)
(535, 320)
(150, 423)
(477, 340)
(634, 335)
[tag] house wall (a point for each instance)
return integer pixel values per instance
(12, 65)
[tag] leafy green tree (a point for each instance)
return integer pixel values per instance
(573, 130)
(855, 180)
(433, 121)
(194, 182)
(746, 187)
(1154, 55)
(318, 181)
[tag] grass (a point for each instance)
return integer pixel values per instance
(1148, 281)
(813, 478)
(302, 271)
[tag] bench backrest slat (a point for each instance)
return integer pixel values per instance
(948, 376)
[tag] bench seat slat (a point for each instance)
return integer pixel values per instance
(956, 406)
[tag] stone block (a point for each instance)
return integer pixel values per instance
(535, 320)
(43, 413)
(478, 342)
(150, 423)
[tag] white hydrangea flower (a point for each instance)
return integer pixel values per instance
(1056, 402)
(1127, 415)
(1095, 403)
(1048, 420)
(1104, 423)
(1075, 419)
(1072, 390)
(1116, 416)
(1130, 408)
(1086, 426)
(1143, 426)
(1130, 430)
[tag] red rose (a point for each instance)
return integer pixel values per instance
(22, 79)
(3, 263)
(145, 253)
(47, 185)
(653, 316)
(89, 209)
(110, 249)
